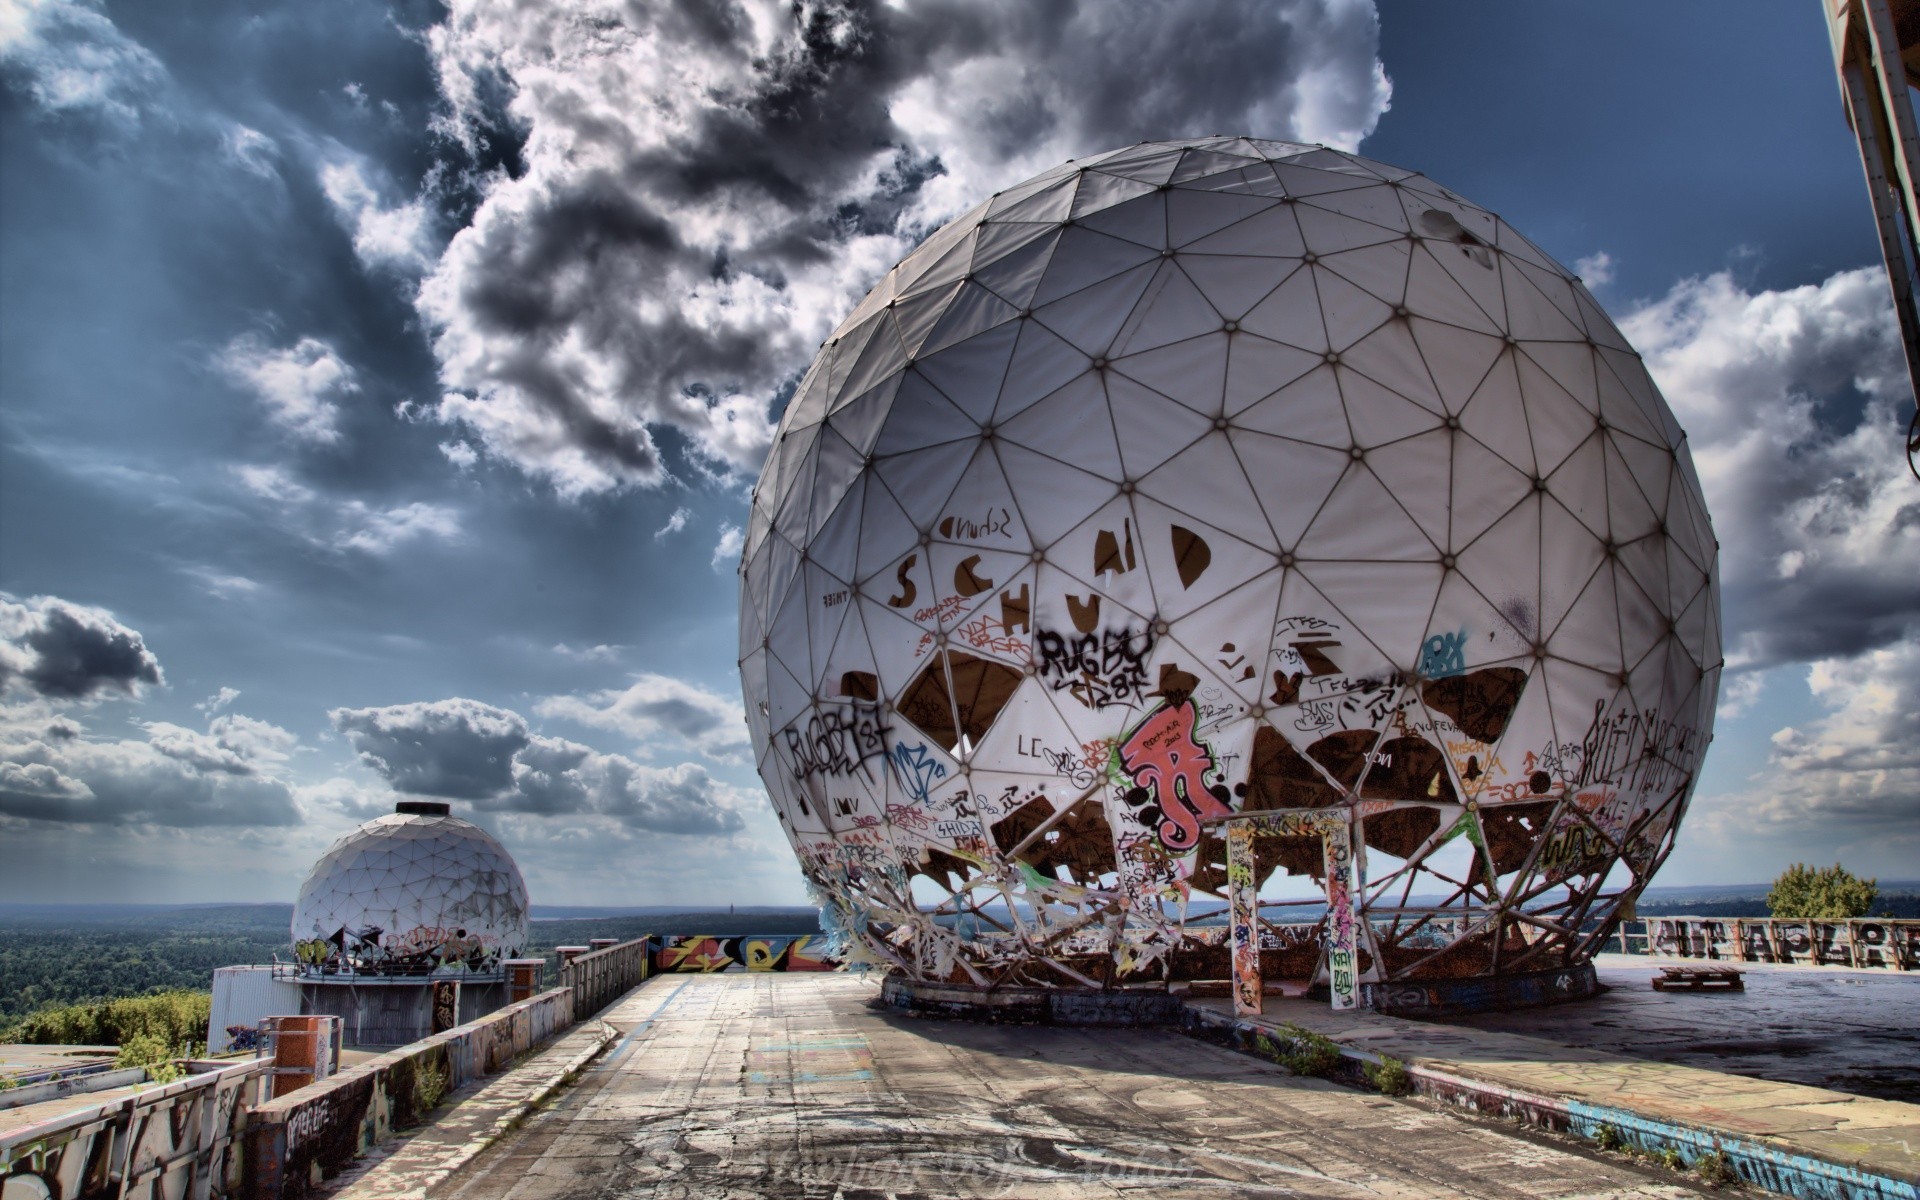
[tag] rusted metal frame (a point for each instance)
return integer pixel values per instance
(1876, 142)
(1444, 909)
(1427, 914)
(1563, 939)
(1473, 929)
(1410, 864)
(1890, 72)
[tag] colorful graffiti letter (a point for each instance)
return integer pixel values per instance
(1169, 768)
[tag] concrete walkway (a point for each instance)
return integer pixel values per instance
(793, 1086)
(473, 1119)
(1800, 1140)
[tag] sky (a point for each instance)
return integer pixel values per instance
(381, 384)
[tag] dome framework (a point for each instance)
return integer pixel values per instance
(417, 891)
(1218, 478)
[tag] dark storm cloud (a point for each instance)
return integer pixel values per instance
(461, 749)
(1793, 402)
(1805, 484)
(705, 188)
(465, 750)
(66, 651)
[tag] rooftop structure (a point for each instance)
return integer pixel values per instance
(1218, 516)
(416, 892)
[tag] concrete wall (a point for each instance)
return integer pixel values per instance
(384, 1013)
(307, 1136)
(171, 1140)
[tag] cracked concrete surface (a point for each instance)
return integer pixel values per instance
(791, 1086)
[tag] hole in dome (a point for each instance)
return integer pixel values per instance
(1438, 224)
(981, 688)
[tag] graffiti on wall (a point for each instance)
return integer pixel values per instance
(703, 954)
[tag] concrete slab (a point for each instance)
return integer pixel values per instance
(1794, 1134)
(1854, 1031)
(793, 1086)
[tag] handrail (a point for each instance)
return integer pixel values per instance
(600, 977)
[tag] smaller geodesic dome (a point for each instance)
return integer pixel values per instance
(418, 890)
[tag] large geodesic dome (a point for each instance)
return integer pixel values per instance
(417, 890)
(1210, 478)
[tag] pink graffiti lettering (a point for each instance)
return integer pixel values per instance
(1170, 770)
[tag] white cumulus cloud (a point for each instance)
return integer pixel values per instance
(298, 386)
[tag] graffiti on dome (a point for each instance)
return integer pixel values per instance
(838, 740)
(1175, 780)
(1100, 670)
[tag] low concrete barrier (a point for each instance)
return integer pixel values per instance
(1882, 943)
(1750, 1156)
(169, 1140)
(604, 975)
(295, 1142)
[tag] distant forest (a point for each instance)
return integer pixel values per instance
(59, 954)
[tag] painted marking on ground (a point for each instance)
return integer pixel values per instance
(628, 1042)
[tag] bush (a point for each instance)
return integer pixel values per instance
(1388, 1076)
(1716, 1169)
(1830, 894)
(1305, 1052)
(1608, 1138)
(1672, 1159)
(177, 1020)
(147, 1050)
(429, 1087)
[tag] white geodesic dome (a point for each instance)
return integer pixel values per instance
(1210, 477)
(417, 889)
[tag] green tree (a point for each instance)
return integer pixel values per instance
(1832, 893)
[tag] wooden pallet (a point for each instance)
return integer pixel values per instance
(1695, 979)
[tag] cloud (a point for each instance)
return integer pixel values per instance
(398, 236)
(699, 191)
(587, 654)
(1792, 403)
(1595, 270)
(178, 777)
(348, 525)
(657, 706)
(466, 750)
(221, 585)
(554, 777)
(1847, 783)
(675, 523)
(298, 385)
(726, 551)
(236, 744)
(219, 701)
(65, 651)
(458, 748)
(72, 62)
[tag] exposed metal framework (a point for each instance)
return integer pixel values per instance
(1876, 46)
